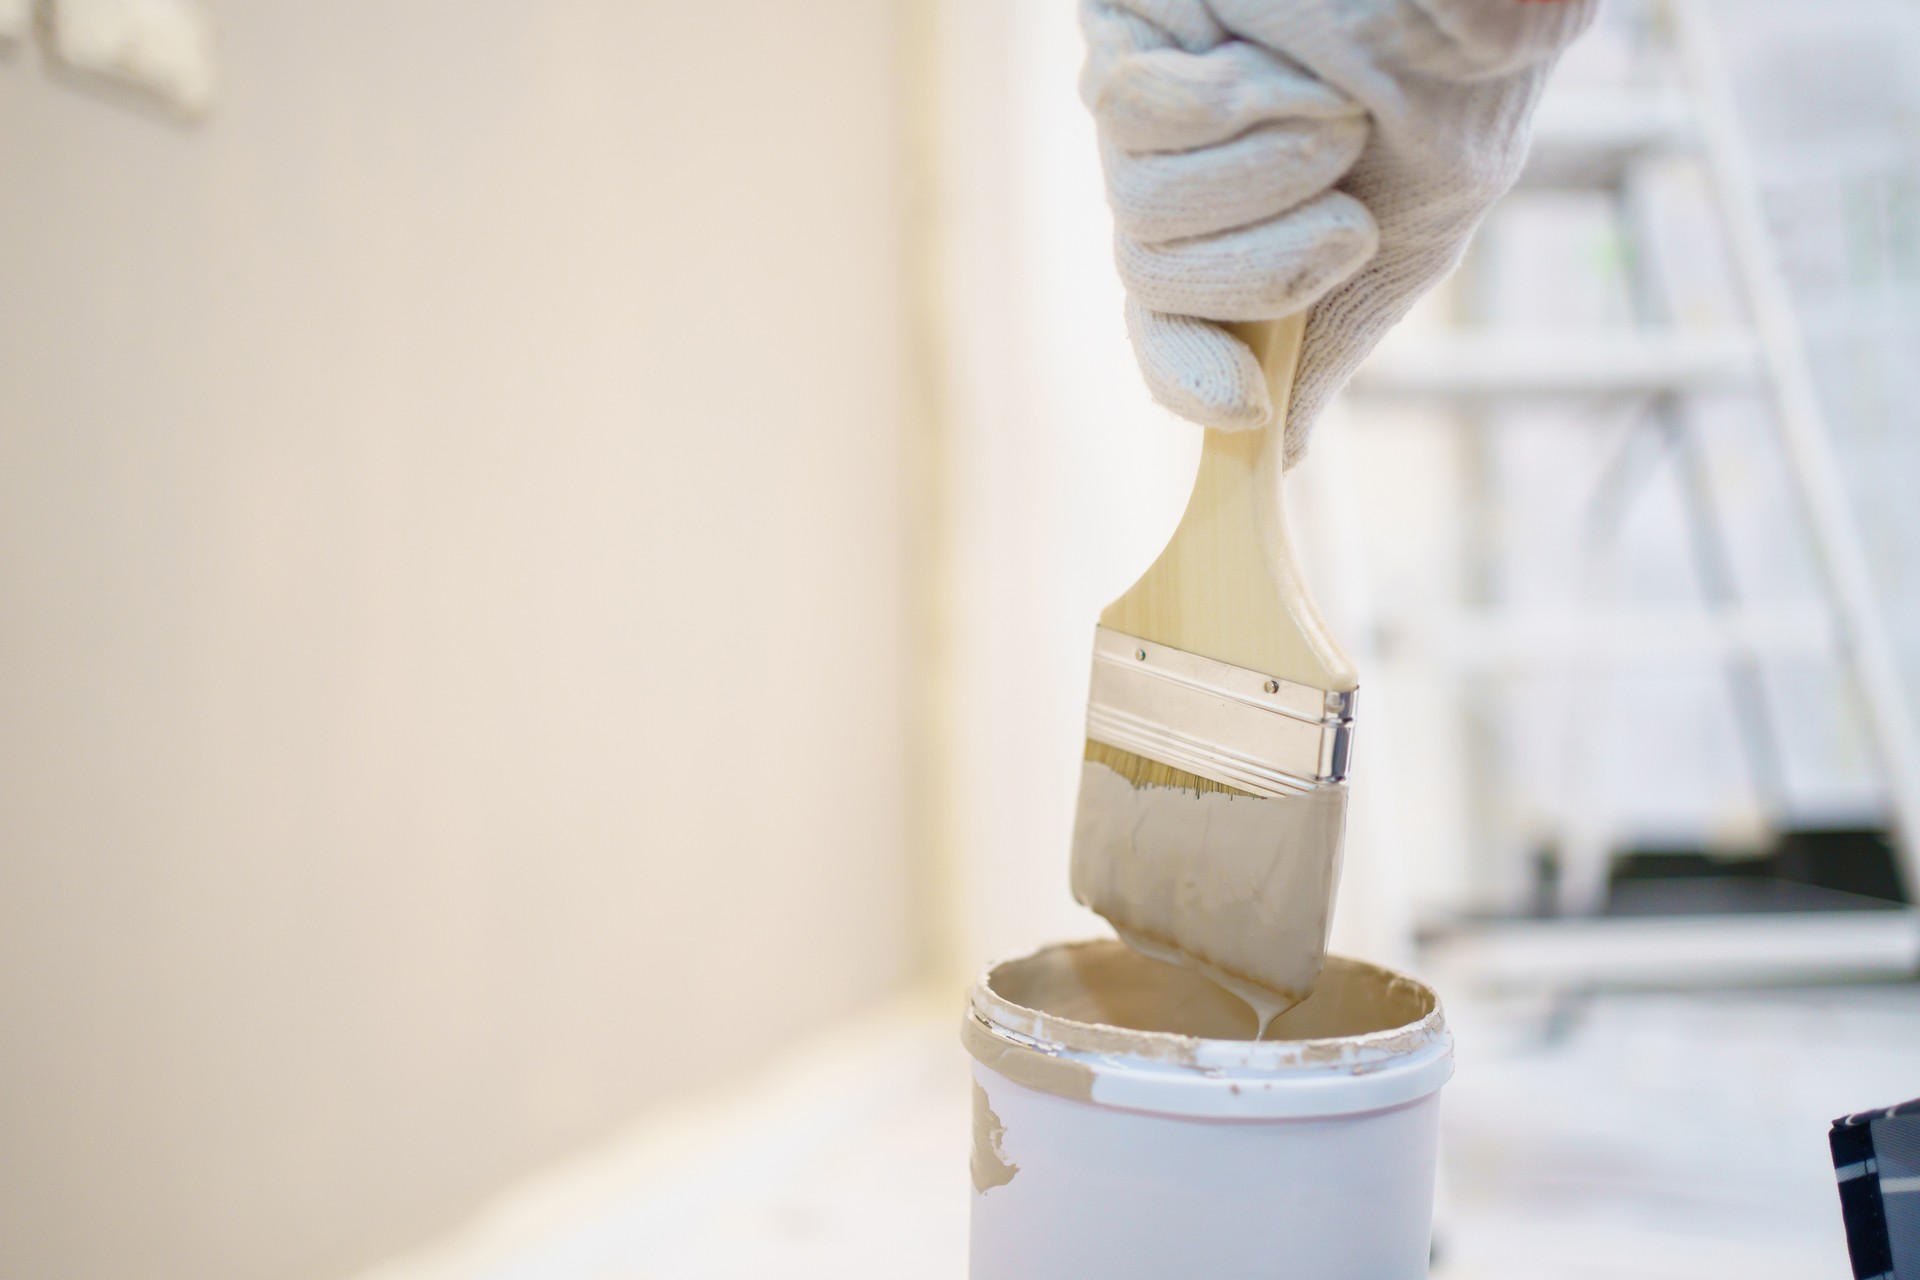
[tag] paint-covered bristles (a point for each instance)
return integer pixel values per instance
(1142, 772)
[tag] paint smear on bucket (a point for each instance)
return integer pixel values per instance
(990, 1165)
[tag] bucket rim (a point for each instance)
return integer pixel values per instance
(1193, 1075)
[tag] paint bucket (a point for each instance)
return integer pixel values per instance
(1126, 1124)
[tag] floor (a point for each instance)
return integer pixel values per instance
(1657, 1135)
(1622, 1135)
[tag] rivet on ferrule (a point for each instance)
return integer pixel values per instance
(1242, 728)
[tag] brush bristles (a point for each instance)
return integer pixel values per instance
(1142, 772)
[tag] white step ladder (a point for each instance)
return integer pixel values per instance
(1600, 142)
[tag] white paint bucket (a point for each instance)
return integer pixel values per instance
(1125, 1125)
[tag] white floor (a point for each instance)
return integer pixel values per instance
(1643, 1136)
(1655, 1135)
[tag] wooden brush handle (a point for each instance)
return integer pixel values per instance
(1227, 586)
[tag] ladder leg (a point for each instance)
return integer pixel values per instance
(1713, 567)
(1712, 556)
(1814, 468)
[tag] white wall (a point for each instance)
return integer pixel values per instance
(452, 627)
(1063, 479)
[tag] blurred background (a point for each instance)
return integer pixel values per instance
(547, 556)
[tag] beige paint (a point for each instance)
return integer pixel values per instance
(1042, 1071)
(988, 1164)
(1104, 1003)
(451, 594)
(1238, 887)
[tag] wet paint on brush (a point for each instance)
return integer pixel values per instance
(1248, 883)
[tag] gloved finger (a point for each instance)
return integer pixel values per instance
(1167, 99)
(1261, 272)
(1495, 37)
(1169, 195)
(1127, 25)
(1454, 39)
(1119, 29)
(1199, 370)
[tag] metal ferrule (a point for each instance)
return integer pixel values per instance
(1241, 728)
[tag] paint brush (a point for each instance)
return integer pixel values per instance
(1219, 728)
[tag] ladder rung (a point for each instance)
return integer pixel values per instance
(1586, 140)
(1680, 950)
(1493, 363)
(1537, 639)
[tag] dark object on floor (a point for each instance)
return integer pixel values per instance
(1837, 869)
(1876, 1156)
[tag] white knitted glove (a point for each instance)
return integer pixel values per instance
(1266, 156)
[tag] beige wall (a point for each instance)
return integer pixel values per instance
(452, 638)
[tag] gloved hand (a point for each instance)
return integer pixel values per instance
(1267, 156)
